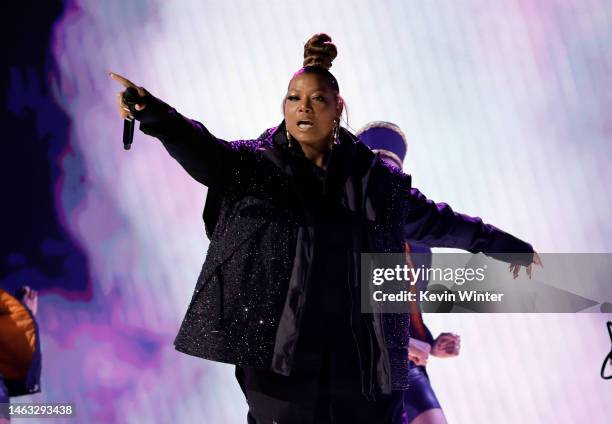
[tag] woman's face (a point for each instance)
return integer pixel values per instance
(310, 110)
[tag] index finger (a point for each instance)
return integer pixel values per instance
(537, 260)
(122, 80)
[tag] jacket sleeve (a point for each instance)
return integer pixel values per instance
(206, 158)
(437, 225)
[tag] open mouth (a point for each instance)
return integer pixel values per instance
(304, 124)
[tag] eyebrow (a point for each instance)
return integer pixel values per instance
(314, 91)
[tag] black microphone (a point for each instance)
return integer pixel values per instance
(130, 98)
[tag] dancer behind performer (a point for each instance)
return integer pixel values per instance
(20, 357)
(421, 405)
(288, 215)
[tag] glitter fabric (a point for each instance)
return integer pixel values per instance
(249, 296)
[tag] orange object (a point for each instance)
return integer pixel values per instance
(17, 337)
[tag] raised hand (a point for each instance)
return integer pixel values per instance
(124, 110)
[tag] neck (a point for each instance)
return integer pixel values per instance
(317, 154)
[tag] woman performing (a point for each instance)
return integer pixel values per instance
(288, 215)
(421, 405)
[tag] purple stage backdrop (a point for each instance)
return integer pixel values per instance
(506, 107)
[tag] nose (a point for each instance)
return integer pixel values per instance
(305, 105)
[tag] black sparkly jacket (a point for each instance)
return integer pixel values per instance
(249, 296)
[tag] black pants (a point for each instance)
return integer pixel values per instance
(318, 392)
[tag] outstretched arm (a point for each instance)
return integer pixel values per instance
(437, 225)
(206, 158)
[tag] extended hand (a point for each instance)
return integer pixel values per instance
(515, 268)
(124, 110)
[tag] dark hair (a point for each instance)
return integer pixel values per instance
(319, 53)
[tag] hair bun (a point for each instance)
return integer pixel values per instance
(319, 51)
